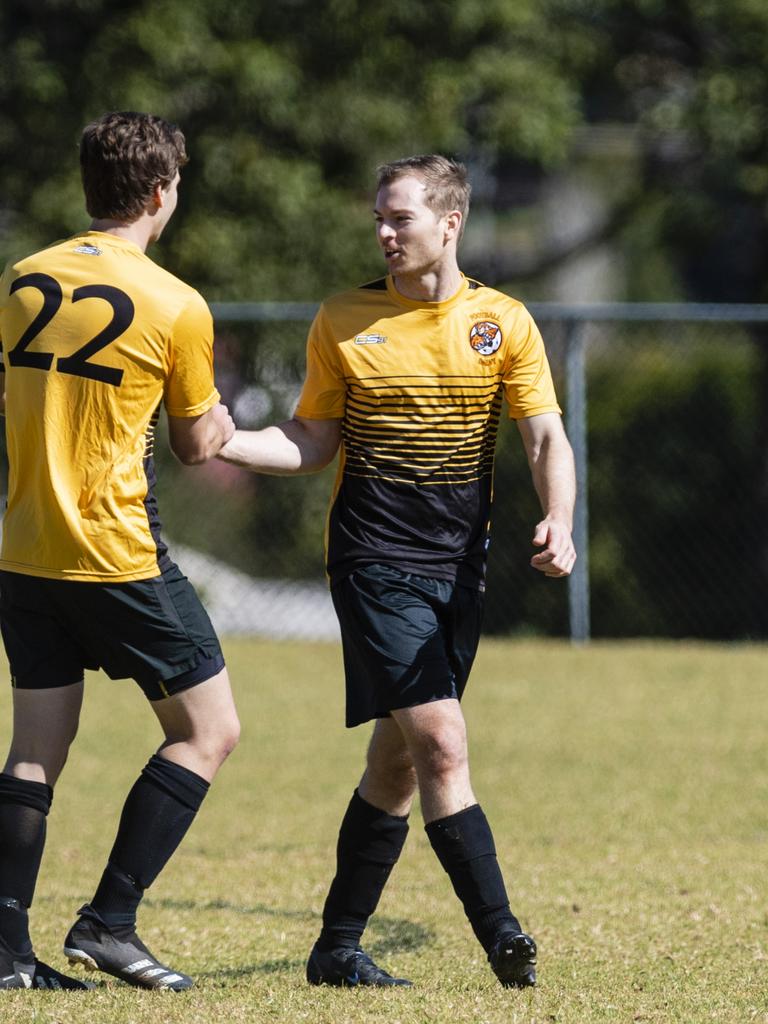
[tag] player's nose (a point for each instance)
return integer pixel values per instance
(386, 232)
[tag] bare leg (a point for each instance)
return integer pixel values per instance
(436, 737)
(201, 726)
(389, 780)
(44, 726)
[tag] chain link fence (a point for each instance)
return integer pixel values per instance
(666, 412)
(666, 409)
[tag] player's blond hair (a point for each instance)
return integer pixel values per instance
(446, 181)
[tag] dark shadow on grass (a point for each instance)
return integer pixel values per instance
(385, 936)
(257, 910)
(284, 966)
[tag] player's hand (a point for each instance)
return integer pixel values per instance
(224, 422)
(558, 555)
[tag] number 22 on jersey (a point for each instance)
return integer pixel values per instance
(78, 364)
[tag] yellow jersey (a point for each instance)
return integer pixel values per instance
(419, 389)
(95, 337)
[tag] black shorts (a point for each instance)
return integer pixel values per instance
(407, 639)
(155, 631)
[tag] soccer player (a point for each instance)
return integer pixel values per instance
(95, 338)
(407, 374)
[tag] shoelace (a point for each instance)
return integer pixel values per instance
(359, 960)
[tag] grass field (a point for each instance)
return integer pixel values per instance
(627, 785)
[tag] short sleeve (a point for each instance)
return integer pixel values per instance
(324, 395)
(527, 380)
(189, 387)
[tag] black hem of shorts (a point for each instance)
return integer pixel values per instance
(377, 715)
(40, 680)
(205, 669)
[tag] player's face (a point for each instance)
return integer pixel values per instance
(412, 236)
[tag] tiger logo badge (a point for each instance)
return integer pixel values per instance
(485, 337)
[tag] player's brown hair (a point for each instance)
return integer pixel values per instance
(446, 181)
(123, 156)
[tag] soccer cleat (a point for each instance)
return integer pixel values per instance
(19, 967)
(40, 975)
(513, 959)
(120, 952)
(347, 966)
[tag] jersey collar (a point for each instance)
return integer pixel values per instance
(432, 307)
(107, 238)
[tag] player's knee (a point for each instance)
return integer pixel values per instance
(443, 755)
(223, 740)
(69, 735)
(208, 747)
(397, 778)
(41, 757)
(230, 739)
(404, 777)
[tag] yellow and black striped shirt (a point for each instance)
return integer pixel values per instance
(419, 388)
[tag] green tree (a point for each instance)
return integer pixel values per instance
(288, 107)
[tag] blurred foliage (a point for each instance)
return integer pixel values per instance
(672, 465)
(287, 106)
(693, 81)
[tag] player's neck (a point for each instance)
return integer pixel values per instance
(434, 285)
(139, 231)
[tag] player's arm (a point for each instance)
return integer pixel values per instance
(196, 439)
(299, 445)
(310, 439)
(554, 477)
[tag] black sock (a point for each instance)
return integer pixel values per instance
(464, 846)
(23, 809)
(160, 808)
(15, 943)
(370, 842)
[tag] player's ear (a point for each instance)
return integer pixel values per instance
(452, 225)
(158, 196)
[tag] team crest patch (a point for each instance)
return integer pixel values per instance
(88, 250)
(485, 337)
(370, 339)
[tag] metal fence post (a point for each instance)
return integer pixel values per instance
(576, 422)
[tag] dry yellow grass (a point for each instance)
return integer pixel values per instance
(626, 784)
